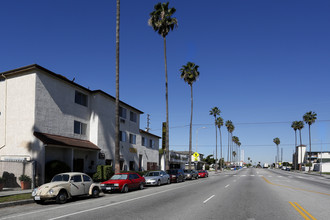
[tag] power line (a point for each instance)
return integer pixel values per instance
(242, 123)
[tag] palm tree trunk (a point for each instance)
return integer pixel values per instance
(295, 144)
(221, 165)
(277, 154)
(310, 148)
(301, 156)
(216, 147)
(117, 149)
(228, 149)
(167, 160)
(190, 132)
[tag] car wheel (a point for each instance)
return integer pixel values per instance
(183, 179)
(95, 192)
(177, 180)
(61, 197)
(125, 189)
(168, 181)
(141, 186)
(158, 183)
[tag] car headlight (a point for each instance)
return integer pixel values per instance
(34, 192)
(51, 191)
(116, 184)
(102, 184)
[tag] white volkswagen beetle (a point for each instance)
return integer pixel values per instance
(65, 186)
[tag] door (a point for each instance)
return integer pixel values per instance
(88, 182)
(77, 185)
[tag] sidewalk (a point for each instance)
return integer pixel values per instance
(14, 191)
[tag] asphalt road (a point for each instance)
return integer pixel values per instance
(245, 194)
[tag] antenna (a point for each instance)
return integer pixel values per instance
(148, 123)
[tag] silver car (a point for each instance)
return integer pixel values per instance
(157, 178)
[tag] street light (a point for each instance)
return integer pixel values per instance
(197, 135)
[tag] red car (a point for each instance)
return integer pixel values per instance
(123, 182)
(203, 173)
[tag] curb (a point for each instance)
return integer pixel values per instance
(15, 203)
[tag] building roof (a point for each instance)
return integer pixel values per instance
(51, 139)
(36, 66)
(145, 132)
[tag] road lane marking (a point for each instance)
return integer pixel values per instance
(208, 199)
(302, 211)
(227, 186)
(290, 187)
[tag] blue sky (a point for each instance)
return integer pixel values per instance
(260, 62)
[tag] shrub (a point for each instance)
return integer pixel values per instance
(25, 178)
(103, 173)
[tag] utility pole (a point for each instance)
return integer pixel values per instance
(148, 123)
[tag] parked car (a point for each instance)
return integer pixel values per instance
(203, 173)
(176, 175)
(157, 178)
(64, 186)
(123, 182)
(192, 174)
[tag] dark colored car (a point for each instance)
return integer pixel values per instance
(192, 174)
(203, 173)
(176, 175)
(123, 182)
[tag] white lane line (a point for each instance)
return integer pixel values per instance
(251, 175)
(208, 199)
(227, 186)
(243, 175)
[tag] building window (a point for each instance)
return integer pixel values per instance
(80, 128)
(122, 112)
(81, 99)
(133, 116)
(122, 136)
(151, 143)
(144, 141)
(132, 138)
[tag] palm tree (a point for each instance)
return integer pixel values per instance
(215, 112)
(277, 142)
(162, 22)
(117, 148)
(234, 154)
(239, 153)
(309, 118)
(219, 123)
(294, 125)
(235, 141)
(189, 73)
(300, 125)
(230, 128)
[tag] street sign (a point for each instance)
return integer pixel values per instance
(196, 155)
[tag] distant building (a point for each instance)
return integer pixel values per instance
(45, 117)
(302, 156)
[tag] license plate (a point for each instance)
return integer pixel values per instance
(108, 188)
(37, 198)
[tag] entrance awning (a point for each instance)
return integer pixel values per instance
(51, 139)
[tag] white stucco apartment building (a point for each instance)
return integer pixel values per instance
(44, 117)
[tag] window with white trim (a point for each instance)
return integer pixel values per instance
(81, 99)
(122, 112)
(132, 138)
(80, 128)
(151, 143)
(144, 141)
(133, 116)
(122, 136)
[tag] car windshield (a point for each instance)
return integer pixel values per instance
(172, 171)
(119, 177)
(61, 177)
(153, 174)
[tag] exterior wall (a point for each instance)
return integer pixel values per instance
(17, 104)
(56, 109)
(42, 102)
